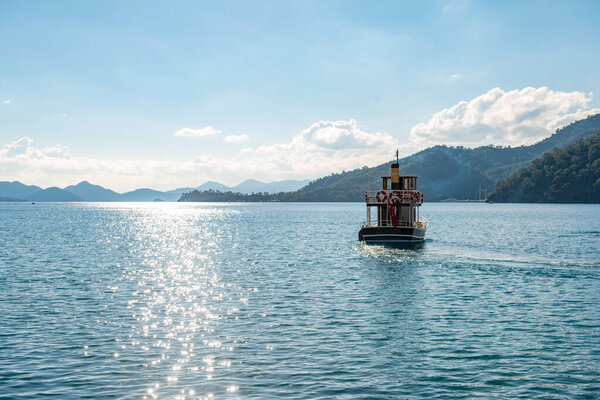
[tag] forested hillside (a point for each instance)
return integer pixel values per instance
(565, 175)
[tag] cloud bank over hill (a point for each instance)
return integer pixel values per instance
(516, 117)
(497, 117)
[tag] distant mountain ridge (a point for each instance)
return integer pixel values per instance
(54, 194)
(17, 190)
(85, 191)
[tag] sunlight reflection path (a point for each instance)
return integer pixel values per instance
(180, 300)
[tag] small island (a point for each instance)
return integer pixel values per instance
(228, 196)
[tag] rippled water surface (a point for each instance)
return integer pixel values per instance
(280, 300)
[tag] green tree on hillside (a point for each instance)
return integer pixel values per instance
(565, 175)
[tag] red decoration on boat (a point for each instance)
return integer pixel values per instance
(392, 213)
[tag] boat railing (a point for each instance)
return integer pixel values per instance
(421, 224)
(404, 196)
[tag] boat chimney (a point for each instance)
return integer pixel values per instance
(395, 174)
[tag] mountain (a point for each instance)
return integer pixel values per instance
(17, 190)
(248, 186)
(152, 195)
(175, 194)
(54, 194)
(284, 186)
(446, 171)
(144, 194)
(254, 186)
(565, 175)
(90, 192)
(210, 185)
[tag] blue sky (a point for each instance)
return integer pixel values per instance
(98, 89)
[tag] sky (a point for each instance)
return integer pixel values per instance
(167, 94)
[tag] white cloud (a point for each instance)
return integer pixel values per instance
(497, 117)
(340, 135)
(236, 138)
(23, 149)
(7, 101)
(18, 147)
(57, 151)
(455, 77)
(331, 136)
(328, 146)
(206, 131)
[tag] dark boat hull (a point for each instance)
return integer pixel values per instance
(391, 235)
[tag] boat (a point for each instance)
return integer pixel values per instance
(396, 205)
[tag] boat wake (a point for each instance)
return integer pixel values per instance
(513, 261)
(427, 254)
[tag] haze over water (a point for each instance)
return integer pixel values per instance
(272, 300)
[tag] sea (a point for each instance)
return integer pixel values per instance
(280, 300)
